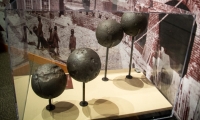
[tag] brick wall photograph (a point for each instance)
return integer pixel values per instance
(187, 104)
(153, 56)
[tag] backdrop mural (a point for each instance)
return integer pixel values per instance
(165, 52)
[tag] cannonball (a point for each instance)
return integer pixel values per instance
(109, 33)
(133, 23)
(83, 64)
(48, 81)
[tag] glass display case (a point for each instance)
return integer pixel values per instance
(160, 58)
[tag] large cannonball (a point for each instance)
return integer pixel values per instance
(133, 23)
(109, 33)
(83, 64)
(48, 81)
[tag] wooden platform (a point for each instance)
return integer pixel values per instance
(116, 98)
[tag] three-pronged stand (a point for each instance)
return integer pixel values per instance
(130, 64)
(105, 78)
(50, 107)
(83, 103)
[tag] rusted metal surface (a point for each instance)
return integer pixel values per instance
(48, 81)
(109, 33)
(133, 23)
(84, 64)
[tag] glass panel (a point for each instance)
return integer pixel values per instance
(159, 54)
(174, 39)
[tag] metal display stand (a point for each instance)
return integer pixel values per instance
(105, 78)
(83, 103)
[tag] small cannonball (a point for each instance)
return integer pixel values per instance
(109, 33)
(133, 23)
(48, 81)
(83, 64)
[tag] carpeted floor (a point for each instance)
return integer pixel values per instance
(8, 107)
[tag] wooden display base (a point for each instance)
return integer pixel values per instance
(119, 97)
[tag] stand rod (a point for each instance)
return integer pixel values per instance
(83, 91)
(50, 102)
(130, 64)
(83, 103)
(50, 107)
(106, 64)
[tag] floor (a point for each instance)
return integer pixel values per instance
(8, 109)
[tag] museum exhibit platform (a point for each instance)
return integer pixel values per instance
(117, 98)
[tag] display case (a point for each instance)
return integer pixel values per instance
(159, 59)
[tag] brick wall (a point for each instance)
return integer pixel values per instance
(160, 7)
(36, 4)
(152, 37)
(138, 47)
(92, 19)
(20, 4)
(183, 105)
(194, 64)
(54, 5)
(186, 103)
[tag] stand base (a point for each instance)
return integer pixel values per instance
(129, 77)
(105, 79)
(83, 103)
(50, 107)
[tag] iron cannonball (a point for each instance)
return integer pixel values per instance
(109, 33)
(83, 64)
(133, 23)
(48, 81)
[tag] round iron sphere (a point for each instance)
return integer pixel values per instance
(48, 81)
(83, 64)
(109, 33)
(133, 23)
